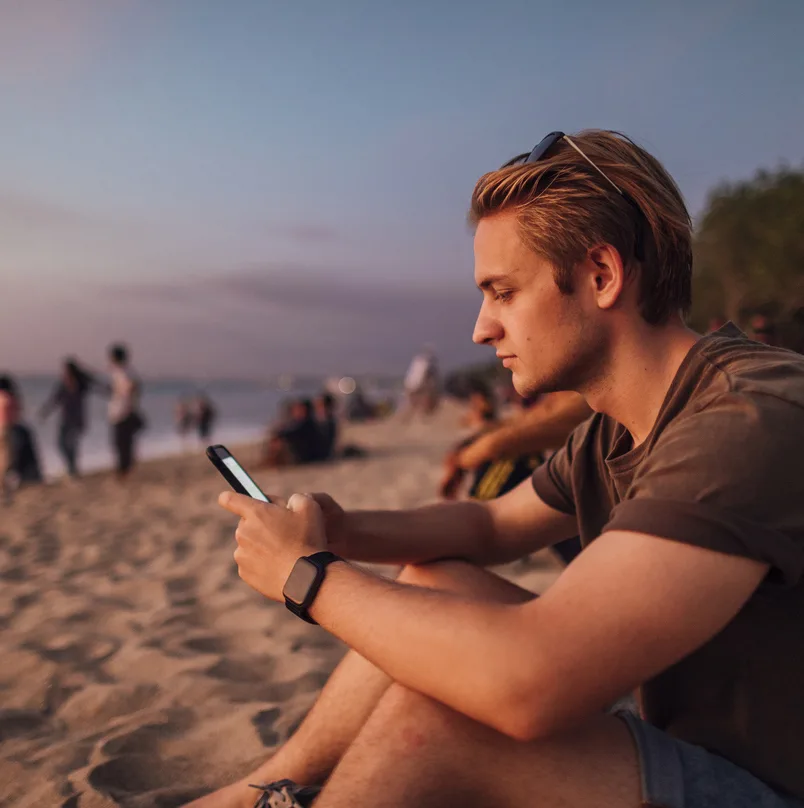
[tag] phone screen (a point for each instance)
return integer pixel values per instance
(244, 479)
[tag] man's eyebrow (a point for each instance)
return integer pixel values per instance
(491, 280)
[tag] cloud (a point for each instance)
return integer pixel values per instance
(54, 39)
(20, 209)
(287, 318)
(307, 233)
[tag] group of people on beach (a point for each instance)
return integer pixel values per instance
(19, 457)
(305, 432)
(195, 414)
(684, 487)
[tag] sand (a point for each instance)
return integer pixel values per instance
(136, 669)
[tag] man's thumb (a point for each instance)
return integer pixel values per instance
(306, 505)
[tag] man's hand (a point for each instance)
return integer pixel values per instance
(478, 452)
(270, 538)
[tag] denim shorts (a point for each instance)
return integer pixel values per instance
(676, 774)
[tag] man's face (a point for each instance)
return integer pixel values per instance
(550, 341)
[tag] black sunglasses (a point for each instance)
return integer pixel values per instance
(547, 143)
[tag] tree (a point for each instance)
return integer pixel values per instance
(749, 250)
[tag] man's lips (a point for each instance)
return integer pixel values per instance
(505, 358)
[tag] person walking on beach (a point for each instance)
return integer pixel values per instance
(69, 397)
(125, 419)
(184, 418)
(205, 416)
(686, 487)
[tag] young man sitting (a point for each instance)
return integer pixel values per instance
(686, 487)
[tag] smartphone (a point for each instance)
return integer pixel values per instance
(234, 473)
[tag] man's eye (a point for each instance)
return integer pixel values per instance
(502, 297)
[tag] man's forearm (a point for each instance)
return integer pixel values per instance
(445, 530)
(467, 654)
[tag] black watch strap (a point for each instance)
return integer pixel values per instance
(321, 561)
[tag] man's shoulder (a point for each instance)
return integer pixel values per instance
(754, 370)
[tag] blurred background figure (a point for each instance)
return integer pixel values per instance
(205, 415)
(502, 454)
(184, 418)
(19, 458)
(481, 416)
(325, 411)
(69, 398)
(422, 383)
(295, 440)
(125, 419)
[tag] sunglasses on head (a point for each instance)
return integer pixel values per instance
(549, 141)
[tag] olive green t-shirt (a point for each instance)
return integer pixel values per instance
(722, 468)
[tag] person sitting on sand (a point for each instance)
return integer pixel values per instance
(481, 417)
(297, 440)
(686, 487)
(327, 425)
(19, 456)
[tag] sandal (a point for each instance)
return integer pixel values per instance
(285, 794)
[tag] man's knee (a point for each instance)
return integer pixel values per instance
(465, 578)
(450, 576)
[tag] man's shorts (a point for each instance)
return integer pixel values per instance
(676, 774)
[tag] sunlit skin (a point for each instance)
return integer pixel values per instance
(592, 341)
(503, 691)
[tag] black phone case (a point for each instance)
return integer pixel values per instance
(227, 475)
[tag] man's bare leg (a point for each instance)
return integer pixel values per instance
(415, 751)
(352, 693)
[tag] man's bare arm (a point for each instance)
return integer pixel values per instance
(480, 532)
(536, 430)
(628, 607)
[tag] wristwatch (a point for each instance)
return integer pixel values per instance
(304, 581)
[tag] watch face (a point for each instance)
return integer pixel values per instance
(300, 580)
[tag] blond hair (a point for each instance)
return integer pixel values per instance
(565, 207)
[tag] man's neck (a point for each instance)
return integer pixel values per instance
(643, 363)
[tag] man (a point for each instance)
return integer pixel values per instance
(124, 416)
(685, 487)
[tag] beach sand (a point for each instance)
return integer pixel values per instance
(136, 668)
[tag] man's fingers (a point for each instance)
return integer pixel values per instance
(305, 505)
(238, 504)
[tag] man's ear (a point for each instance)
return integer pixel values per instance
(607, 275)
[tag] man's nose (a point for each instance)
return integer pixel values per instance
(487, 329)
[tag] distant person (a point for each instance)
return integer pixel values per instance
(481, 416)
(69, 397)
(9, 410)
(205, 415)
(297, 440)
(422, 383)
(358, 408)
(184, 419)
(19, 458)
(325, 410)
(125, 418)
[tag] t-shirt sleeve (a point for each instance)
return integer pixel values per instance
(730, 478)
(552, 481)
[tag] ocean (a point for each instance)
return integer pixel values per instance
(244, 411)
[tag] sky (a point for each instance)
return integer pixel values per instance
(250, 187)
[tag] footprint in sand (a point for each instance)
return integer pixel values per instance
(123, 776)
(80, 650)
(16, 723)
(181, 591)
(264, 722)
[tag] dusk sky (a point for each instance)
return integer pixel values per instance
(247, 187)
